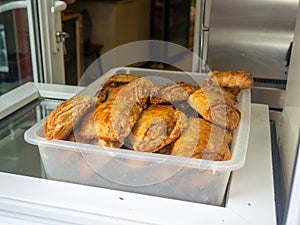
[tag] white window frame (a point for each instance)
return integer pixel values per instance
(46, 54)
(52, 52)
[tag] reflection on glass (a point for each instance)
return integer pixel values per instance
(2, 2)
(15, 55)
(16, 155)
(3, 50)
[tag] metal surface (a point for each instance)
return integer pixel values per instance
(277, 175)
(290, 121)
(273, 97)
(275, 116)
(251, 35)
(270, 96)
(201, 29)
(291, 217)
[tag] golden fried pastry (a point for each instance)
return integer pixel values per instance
(135, 91)
(158, 126)
(171, 92)
(228, 136)
(88, 134)
(113, 94)
(225, 115)
(113, 122)
(119, 79)
(113, 82)
(102, 95)
(217, 92)
(231, 79)
(88, 130)
(60, 122)
(234, 91)
(112, 144)
(100, 142)
(202, 140)
(216, 107)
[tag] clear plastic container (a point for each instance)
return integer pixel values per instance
(187, 179)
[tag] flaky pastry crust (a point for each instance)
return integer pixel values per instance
(216, 107)
(113, 82)
(171, 92)
(231, 79)
(202, 140)
(61, 121)
(158, 126)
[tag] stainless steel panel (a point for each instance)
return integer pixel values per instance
(275, 116)
(252, 35)
(270, 96)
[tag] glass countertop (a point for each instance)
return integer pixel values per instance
(16, 155)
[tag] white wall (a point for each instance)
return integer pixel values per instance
(290, 122)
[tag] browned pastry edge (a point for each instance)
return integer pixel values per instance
(231, 79)
(234, 91)
(228, 136)
(60, 122)
(113, 82)
(94, 141)
(203, 140)
(216, 107)
(113, 122)
(219, 94)
(119, 79)
(160, 129)
(171, 92)
(224, 115)
(71, 137)
(137, 91)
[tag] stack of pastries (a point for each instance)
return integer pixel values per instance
(176, 118)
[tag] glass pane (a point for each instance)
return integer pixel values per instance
(16, 155)
(15, 56)
(2, 2)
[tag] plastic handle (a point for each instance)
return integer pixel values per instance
(58, 6)
(13, 5)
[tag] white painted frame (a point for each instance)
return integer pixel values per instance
(26, 4)
(51, 69)
(52, 52)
